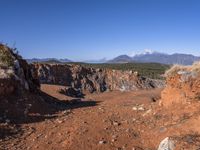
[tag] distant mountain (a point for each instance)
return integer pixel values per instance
(103, 60)
(184, 59)
(121, 59)
(64, 60)
(53, 60)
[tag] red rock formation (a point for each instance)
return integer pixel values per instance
(183, 86)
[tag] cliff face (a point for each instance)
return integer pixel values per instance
(183, 85)
(15, 74)
(18, 82)
(93, 80)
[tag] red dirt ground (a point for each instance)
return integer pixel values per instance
(108, 121)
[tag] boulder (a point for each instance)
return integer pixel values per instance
(72, 92)
(167, 144)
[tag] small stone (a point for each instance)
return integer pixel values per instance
(68, 132)
(114, 136)
(39, 135)
(141, 108)
(106, 128)
(66, 112)
(59, 121)
(126, 121)
(102, 142)
(113, 140)
(127, 130)
(36, 147)
(85, 130)
(134, 108)
(147, 112)
(124, 146)
(59, 134)
(162, 129)
(13, 144)
(49, 142)
(138, 108)
(116, 123)
(189, 139)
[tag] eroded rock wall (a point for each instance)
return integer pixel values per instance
(183, 85)
(17, 75)
(94, 80)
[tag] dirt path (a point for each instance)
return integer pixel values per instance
(107, 121)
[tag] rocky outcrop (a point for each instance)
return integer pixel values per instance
(93, 80)
(16, 75)
(183, 85)
(129, 80)
(18, 84)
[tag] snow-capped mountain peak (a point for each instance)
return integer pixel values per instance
(144, 52)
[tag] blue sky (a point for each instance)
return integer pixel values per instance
(94, 29)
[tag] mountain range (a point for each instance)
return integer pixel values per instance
(184, 59)
(154, 57)
(55, 60)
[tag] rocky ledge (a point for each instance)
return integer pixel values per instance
(94, 80)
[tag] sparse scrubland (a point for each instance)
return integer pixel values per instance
(151, 70)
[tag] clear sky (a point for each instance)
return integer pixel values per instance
(93, 29)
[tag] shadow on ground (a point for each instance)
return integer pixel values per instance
(8, 131)
(51, 106)
(32, 108)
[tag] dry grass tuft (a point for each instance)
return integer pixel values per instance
(196, 67)
(175, 69)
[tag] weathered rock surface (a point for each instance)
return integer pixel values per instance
(69, 91)
(167, 144)
(183, 85)
(16, 79)
(94, 80)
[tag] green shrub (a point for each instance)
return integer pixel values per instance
(6, 58)
(151, 70)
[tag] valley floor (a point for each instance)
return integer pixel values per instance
(108, 121)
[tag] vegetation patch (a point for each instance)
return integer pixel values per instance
(151, 70)
(6, 57)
